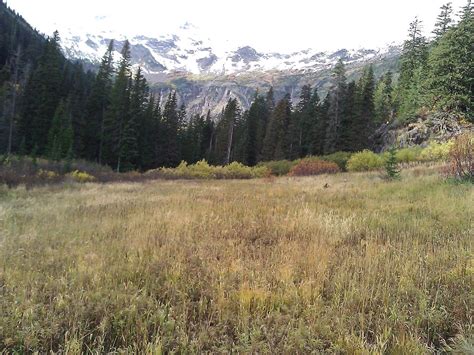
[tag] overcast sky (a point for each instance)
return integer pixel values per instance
(267, 25)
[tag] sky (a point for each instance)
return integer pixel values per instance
(268, 26)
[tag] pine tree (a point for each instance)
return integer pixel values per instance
(11, 92)
(148, 135)
(350, 123)
(450, 78)
(311, 124)
(255, 125)
(275, 145)
(269, 108)
(169, 151)
(182, 124)
(207, 138)
(77, 98)
(97, 105)
(364, 121)
(60, 136)
(130, 149)
(383, 100)
(337, 97)
(444, 20)
(118, 111)
(391, 165)
(42, 96)
(304, 123)
(320, 128)
(225, 139)
(412, 71)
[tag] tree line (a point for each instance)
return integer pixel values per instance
(54, 108)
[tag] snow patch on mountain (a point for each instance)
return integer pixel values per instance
(187, 50)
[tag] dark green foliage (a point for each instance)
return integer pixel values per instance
(255, 126)
(412, 70)
(275, 144)
(97, 106)
(337, 99)
(363, 122)
(383, 99)
(149, 134)
(42, 95)
(225, 137)
(61, 135)
(130, 148)
(391, 165)
(169, 151)
(450, 80)
(118, 112)
(444, 20)
(303, 124)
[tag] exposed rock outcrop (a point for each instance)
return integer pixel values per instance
(437, 126)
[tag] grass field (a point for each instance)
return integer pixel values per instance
(272, 265)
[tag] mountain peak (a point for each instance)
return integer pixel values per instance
(188, 51)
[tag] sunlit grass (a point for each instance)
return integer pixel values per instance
(273, 265)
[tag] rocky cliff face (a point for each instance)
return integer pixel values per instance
(438, 126)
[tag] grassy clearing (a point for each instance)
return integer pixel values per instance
(278, 265)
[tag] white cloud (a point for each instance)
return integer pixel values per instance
(276, 25)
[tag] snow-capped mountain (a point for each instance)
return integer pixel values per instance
(188, 51)
(206, 74)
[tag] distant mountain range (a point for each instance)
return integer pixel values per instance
(206, 75)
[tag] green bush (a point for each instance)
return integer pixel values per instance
(237, 170)
(278, 167)
(340, 158)
(365, 161)
(409, 155)
(202, 170)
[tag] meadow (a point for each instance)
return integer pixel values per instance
(346, 263)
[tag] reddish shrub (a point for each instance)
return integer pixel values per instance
(461, 158)
(308, 167)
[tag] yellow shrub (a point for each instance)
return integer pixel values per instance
(365, 161)
(81, 176)
(202, 170)
(47, 174)
(436, 151)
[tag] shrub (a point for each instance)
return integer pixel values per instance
(340, 158)
(409, 155)
(81, 176)
(278, 167)
(47, 174)
(202, 170)
(436, 151)
(260, 172)
(234, 170)
(237, 170)
(308, 167)
(461, 156)
(365, 161)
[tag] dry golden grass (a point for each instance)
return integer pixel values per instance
(275, 265)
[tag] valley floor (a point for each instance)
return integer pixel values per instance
(273, 265)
